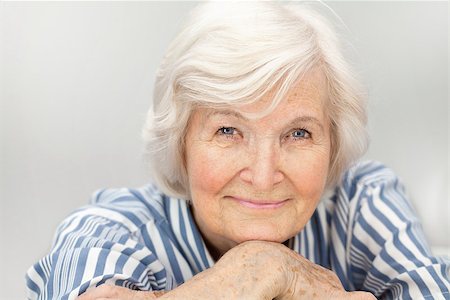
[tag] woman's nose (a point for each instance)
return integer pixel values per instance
(263, 168)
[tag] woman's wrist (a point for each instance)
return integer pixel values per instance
(258, 269)
(252, 270)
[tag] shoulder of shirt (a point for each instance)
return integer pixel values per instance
(132, 207)
(368, 172)
(363, 175)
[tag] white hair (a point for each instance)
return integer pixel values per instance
(233, 54)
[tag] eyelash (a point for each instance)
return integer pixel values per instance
(307, 133)
(221, 132)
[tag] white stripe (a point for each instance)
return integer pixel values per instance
(413, 290)
(155, 236)
(73, 268)
(311, 243)
(360, 233)
(322, 220)
(403, 238)
(90, 265)
(111, 260)
(190, 237)
(340, 251)
(108, 214)
(183, 265)
(37, 279)
(429, 280)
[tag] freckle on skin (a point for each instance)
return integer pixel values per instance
(302, 292)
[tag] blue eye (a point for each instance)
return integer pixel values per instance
(227, 131)
(300, 134)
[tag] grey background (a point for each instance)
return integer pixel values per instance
(76, 81)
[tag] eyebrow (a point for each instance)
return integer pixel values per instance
(293, 123)
(226, 112)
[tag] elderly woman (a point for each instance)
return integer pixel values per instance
(253, 141)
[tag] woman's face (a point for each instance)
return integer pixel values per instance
(259, 179)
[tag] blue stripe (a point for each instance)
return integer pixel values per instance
(436, 277)
(166, 226)
(40, 271)
(101, 262)
(79, 226)
(81, 238)
(121, 260)
(405, 289)
(147, 240)
(173, 260)
(104, 279)
(128, 214)
(420, 283)
(395, 232)
(32, 285)
(84, 287)
(154, 213)
(184, 235)
(350, 189)
(363, 248)
(80, 267)
(411, 236)
(372, 233)
(198, 241)
(339, 226)
(320, 251)
(337, 268)
(97, 196)
(305, 241)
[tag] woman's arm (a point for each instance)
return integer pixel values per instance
(97, 245)
(389, 254)
(252, 270)
(118, 292)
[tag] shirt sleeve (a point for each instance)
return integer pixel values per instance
(389, 255)
(95, 245)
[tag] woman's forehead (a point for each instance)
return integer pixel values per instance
(301, 107)
(309, 93)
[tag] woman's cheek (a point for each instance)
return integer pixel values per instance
(308, 171)
(213, 165)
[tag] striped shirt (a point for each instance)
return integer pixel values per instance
(365, 231)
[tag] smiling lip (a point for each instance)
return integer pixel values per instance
(260, 204)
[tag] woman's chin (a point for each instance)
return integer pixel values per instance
(267, 235)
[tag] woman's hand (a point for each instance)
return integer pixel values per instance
(252, 270)
(306, 280)
(264, 270)
(116, 292)
(247, 271)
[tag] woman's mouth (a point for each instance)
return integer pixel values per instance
(260, 204)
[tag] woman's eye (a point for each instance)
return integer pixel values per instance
(229, 131)
(300, 134)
